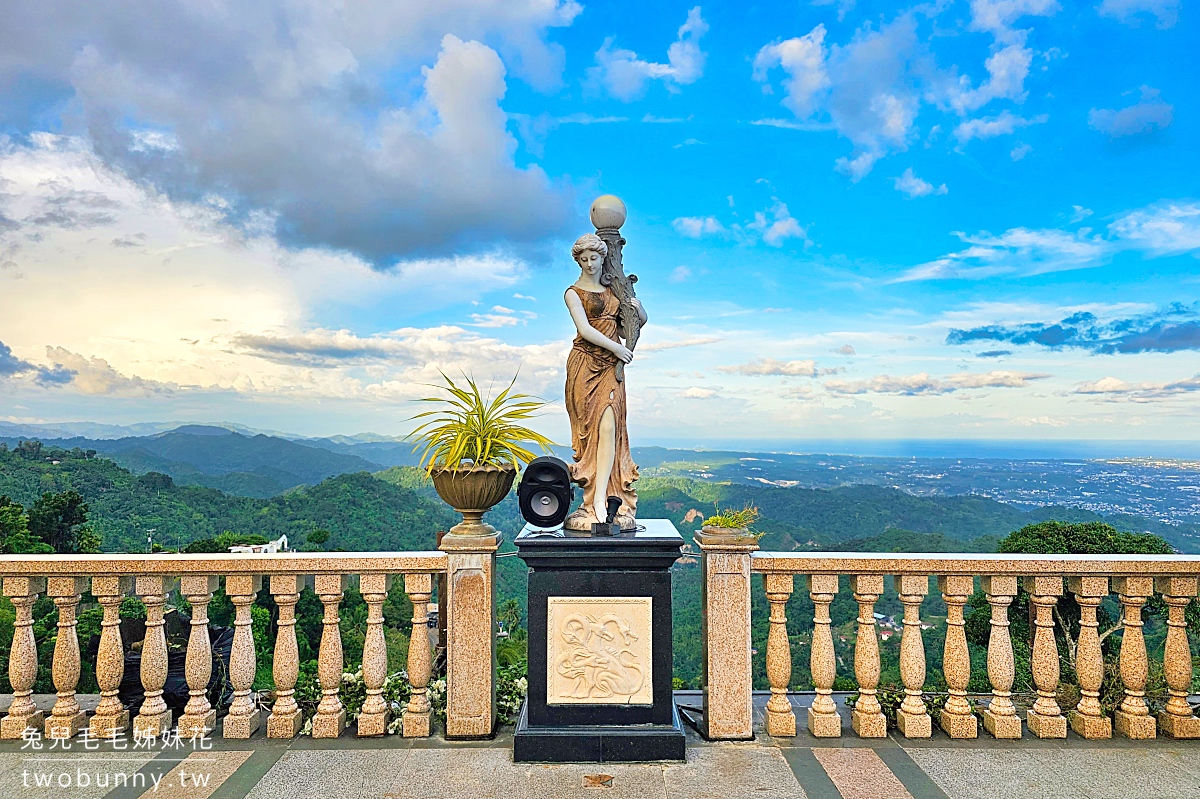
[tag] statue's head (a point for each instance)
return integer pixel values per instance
(589, 252)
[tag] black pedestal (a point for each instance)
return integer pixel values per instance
(618, 704)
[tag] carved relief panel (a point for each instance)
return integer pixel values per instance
(598, 651)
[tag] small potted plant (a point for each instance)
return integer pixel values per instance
(471, 447)
(733, 523)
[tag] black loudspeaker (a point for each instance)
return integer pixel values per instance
(545, 492)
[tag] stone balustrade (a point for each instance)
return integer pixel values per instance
(153, 578)
(727, 564)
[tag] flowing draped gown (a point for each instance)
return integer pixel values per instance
(592, 388)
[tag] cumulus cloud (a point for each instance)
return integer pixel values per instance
(913, 186)
(1113, 389)
(773, 367)
(1002, 124)
(1160, 229)
(696, 226)
(924, 384)
(13, 367)
(96, 376)
(775, 225)
(1129, 12)
(625, 76)
(1170, 329)
(697, 392)
(1147, 115)
(871, 89)
(304, 115)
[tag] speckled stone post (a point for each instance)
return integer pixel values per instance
(418, 721)
(374, 718)
(781, 720)
(286, 718)
(911, 717)
(956, 717)
(199, 718)
(1087, 719)
(67, 718)
(155, 717)
(823, 718)
(1000, 716)
(470, 632)
(1045, 718)
(22, 659)
(111, 718)
(243, 717)
(1132, 718)
(867, 719)
(1176, 719)
(330, 720)
(726, 675)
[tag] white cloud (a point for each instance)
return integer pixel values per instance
(923, 384)
(680, 274)
(696, 392)
(872, 88)
(1002, 124)
(691, 341)
(913, 186)
(625, 76)
(1020, 151)
(773, 367)
(1079, 213)
(392, 111)
(1161, 229)
(696, 226)
(1145, 116)
(1166, 228)
(779, 227)
(1165, 12)
(1113, 389)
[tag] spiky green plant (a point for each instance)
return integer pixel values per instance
(470, 427)
(733, 519)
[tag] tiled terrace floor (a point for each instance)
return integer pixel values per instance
(395, 768)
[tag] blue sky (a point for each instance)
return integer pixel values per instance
(850, 220)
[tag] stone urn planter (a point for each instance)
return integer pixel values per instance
(472, 491)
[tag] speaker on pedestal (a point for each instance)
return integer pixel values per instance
(545, 492)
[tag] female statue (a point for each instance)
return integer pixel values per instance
(595, 393)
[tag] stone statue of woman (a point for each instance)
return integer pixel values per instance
(595, 393)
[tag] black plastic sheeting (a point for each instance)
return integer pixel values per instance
(175, 690)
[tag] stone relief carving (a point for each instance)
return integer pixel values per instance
(599, 650)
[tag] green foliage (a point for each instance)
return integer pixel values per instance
(733, 518)
(223, 542)
(1087, 538)
(469, 427)
(891, 696)
(15, 538)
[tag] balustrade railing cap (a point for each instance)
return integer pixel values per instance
(225, 563)
(974, 565)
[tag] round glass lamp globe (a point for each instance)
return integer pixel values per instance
(608, 211)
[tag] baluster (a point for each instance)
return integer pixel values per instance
(956, 718)
(781, 721)
(331, 716)
(286, 718)
(373, 719)
(243, 717)
(1087, 719)
(418, 722)
(22, 659)
(1000, 716)
(1045, 719)
(111, 718)
(867, 719)
(911, 718)
(67, 718)
(1177, 720)
(155, 717)
(1132, 717)
(823, 718)
(199, 718)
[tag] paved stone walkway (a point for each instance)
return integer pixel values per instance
(395, 768)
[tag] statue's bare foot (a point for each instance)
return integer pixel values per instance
(581, 519)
